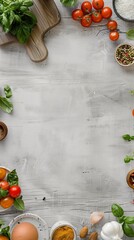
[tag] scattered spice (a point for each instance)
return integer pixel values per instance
(44, 199)
(125, 54)
(63, 233)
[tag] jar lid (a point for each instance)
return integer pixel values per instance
(3, 130)
(130, 179)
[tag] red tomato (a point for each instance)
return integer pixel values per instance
(106, 12)
(86, 21)
(86, 7)
(6, 202)
(133, 112)
(98, 4)
(96, 17)
(3, 237)
(114, 35)
(15, 191)
(4, 185)
(112, 25)
(77, 14)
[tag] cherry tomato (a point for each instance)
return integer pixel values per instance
(6, 202)
(106, 12)
(114, 35)
(77, 14)
(2, 173)
(96, 17)
(3, 237)
(4, 185)
(15, 191)
(86, 7)
(112, 25)
(86, 21)
(98, 4)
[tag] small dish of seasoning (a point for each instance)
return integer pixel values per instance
(62, 230)
(3, 130)
(130, 179)
(124, 54)
(124, 9)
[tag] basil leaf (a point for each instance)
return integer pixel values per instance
(121, 219)
(127, 137)
(5, 105)
(129, 220)
(12, 178)
(68, 3)
(3, 193)
(1, 222)
(130, 34)
(128, 158)
(128, 231)
(8, 91)
(6, 232)
(117, 210)
(19, 204)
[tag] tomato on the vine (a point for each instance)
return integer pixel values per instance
(86, 21)
(112, 25)
(86, 7)
(98, 4)
(77, 14)
(114, 35)
(4, 185)
(6, 202)
(15, 191)
(96, 17)
(2, 173)
(106, 12)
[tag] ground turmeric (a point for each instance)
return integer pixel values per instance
(63, 233)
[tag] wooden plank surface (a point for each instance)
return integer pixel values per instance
(70, 112)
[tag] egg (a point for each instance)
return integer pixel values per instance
(24, 231)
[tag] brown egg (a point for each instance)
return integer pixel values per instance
(24, 231)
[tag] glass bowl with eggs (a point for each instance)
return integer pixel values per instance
(10, 191)
(124, 9)
(124, 54)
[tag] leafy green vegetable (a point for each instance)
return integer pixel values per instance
(8, 91)
(130, 34)
(68, 3)
(129, 220)
(128, 158)
(5, 232)
(5, 105)
(16, 18)
(12, 178)
(129, 232)
(117, 210)
(19, 204)
(3, 193)
(127, 137)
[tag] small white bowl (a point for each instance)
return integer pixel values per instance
(8, 170)
(61, 224)
(121, 64)
(34, 219)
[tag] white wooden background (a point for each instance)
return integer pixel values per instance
(70, 112)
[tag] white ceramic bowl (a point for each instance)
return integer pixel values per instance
(61, 224)
(121, 64)
(8, 170)
(34, 219)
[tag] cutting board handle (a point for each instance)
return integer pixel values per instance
(35, 47)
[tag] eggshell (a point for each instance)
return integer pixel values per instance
(24, 231)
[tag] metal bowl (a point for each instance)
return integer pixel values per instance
(118, 15)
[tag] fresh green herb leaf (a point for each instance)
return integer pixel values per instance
(5, 232)
(117, 210)
(130, 34)
(121, 219)
(127, 137)
(5, 105)
(128, 230)
(128, 158)
(3, 193)
(8, 91)
(129, 220)
(131, 92)
(12, 178)
(68, 3)
(19, 204)
(1, 222)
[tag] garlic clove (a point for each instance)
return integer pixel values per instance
(96, 217)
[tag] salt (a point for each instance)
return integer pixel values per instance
(125, 8)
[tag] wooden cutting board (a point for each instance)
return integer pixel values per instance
(47, 17)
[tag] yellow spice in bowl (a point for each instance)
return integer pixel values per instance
(63, 233)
